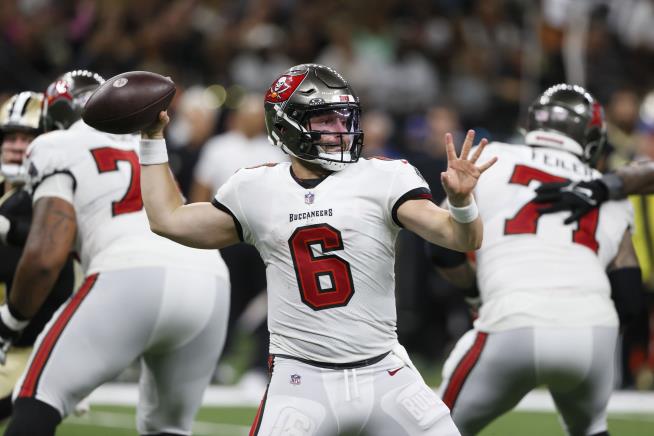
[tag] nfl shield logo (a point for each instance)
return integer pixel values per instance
(308, 197)
(296, 379)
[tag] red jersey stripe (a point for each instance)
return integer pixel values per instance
(44, 351)
(463, 369)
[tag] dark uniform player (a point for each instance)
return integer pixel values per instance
(20, 123)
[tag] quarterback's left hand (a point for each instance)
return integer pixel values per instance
(462, 174)
(10, 330)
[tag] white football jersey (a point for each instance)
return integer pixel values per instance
(329, 253)
(112, 228)
(532, 270)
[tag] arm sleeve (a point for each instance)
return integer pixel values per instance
(228, 200)
(626, 293)
(407, 184)
(46, 159)
(60, 185)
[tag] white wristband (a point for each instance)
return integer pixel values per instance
(465, 214)
(5, 225)
(10, 321)
(153, 151)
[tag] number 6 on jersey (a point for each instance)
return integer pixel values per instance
(324, 281)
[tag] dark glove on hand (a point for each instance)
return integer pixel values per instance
(10, 330)
(577, 197)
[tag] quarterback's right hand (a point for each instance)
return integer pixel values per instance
(577, 197)
(156, 129)
(10, 330)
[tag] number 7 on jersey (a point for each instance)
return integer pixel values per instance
(526, 219)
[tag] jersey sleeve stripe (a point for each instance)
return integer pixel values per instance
(67, 172)
(218, 205)
(414, 194)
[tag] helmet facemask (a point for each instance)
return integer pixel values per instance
(332, 137)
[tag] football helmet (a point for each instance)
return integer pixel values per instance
(20, 113)
(567, 117)
(314, 94)
(66, 96)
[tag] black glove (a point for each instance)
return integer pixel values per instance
(10, 330)
(577, 197)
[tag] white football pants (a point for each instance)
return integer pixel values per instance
(387, 398)
(487, 374)
(173, 320)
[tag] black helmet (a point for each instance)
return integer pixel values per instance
(66, 96)
(569, 118)
(303, 93)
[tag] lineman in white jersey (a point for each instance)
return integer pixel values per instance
(144, 297)
(547, 316)
(325, 226)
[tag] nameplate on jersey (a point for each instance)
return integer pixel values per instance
(308, 215)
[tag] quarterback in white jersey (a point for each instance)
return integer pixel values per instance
(144, 297)
(319, 262)
(547, 316)
(325, 226)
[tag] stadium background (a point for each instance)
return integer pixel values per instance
(421, 68)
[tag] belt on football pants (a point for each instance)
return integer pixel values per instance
(328, 365)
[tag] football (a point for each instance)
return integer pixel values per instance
(128, 102)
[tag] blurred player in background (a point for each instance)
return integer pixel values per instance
(20, 123)
(636, 181)
(325, 225)
(546, 317)
(143, 297)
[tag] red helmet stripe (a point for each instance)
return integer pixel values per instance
(597, 118)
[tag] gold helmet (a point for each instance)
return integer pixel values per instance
(20, 113)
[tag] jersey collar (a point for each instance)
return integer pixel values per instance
(307, 183)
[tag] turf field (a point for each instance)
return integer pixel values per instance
(229, 421)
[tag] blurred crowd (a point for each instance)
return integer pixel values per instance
(421, 68)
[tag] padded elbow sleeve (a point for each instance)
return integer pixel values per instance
(626, 292)
(444, 257)
(17, 235)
